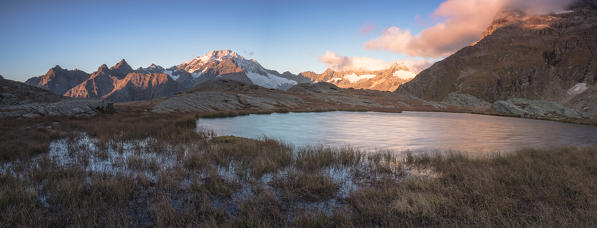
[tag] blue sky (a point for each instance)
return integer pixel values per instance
(282, 35)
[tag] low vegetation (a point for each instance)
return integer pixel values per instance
(158, 171)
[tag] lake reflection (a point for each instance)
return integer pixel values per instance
(415, 131)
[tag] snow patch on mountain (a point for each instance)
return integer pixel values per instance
(171, 74)
(249, 65)
(196, 75)
(334, 80)
(269, 80)
(404, 74)
(578, 88)
(355, 78)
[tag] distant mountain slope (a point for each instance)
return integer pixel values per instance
(542, 57)
(17, 93)
(59, 80)
(384, 80)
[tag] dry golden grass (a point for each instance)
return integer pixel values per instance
(230, 181)
(297, 187)
(23, 139)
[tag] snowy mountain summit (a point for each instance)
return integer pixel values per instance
(227, 64)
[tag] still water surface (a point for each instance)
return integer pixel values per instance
(414, 131)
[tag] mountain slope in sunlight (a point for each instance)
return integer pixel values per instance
(59, 80)
(121, 83)
(538, 57)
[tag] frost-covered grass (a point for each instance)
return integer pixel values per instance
(220, 174)
(105, 174)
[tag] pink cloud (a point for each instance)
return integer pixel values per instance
(345, 63)
(367, 28)
(420, 21)
(464, 21)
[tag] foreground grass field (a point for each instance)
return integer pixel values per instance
(160, 172)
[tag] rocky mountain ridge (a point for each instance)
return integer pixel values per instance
(59, 80)
(533, 57)
(121, 83)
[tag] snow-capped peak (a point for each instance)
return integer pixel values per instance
(217, 55)
(222, 54)
(219, 62)
(199, 62)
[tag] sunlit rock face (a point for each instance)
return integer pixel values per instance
(59, 80)
(541, 57)
(121, 83)
(385, 80)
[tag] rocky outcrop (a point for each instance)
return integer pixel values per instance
(226, 95)
(536, 57)
(58, 80)
(65, 107)
(465, 100)
(587, 102)
(383, 80)
(536, 109)
(20, 100)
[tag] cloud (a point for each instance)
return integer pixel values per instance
(345, 63)
(416, 66)
(463, 22)
(367, 28)
(249, 53)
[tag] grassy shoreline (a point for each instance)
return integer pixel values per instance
(157, 171)
(226, 114)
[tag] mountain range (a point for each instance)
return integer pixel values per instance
(122, 83)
